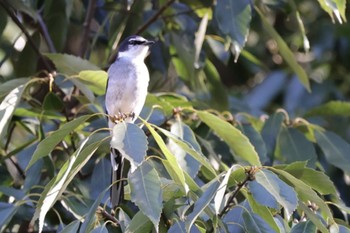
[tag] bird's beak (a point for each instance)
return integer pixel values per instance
(149, 42)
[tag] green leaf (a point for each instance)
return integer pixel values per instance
(285, 52)
(219, 196)
(315, 179)
(255, 223)
(262, 196)
(146, 192)
(257, 141)
(306, 194)
(283, 193)
(7, 108)
(335, 149)
(270, 132)
(52, 102)
(191, 146)
(179, 147)
(100, 229)
(95, 80)
(234, 138)
(170, 163)
(304, 227)
(336, 7)
(72, 227)
(262, 211)
(50, 142)
(332, 108)
(90, 218)
(69, 64)
(219, 97)
(201, 203)
(313, 217)
(7, 211)
(130, 141)
(233, 17)
(71, 167)
(10, 85)
(140, 223)
(295, 147)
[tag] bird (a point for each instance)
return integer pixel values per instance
(126, 92)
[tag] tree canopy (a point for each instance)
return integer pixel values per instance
(245, 127)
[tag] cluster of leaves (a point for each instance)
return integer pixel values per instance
(204, 159)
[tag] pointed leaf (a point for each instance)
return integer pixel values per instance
(219, 196)
(201, 203)
(146, 192)
(233, 17)
(283, 193)
(6, 87)
(295, 147)
(304, 227)
(50, 142)
(130, 141)
(7, 211)
(285, 51)
(72, 227)
(139, 224)
(96, 80)
(335, 149)
(7, 108)
(170, 163)
(332, 108)
(255, 223)
(234, 138)
(69, 64)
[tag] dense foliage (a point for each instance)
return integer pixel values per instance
(245, 128)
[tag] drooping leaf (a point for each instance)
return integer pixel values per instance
(283, 193)
(234, 138)
(332, 108)
(335, 149)
(140, 223)
(69, 64)
(8, 106)
(304, 227)
(187, 162)
(270, 131)
(130, 141)
(90, 218)
(233, 17)
(262, 211)
(146, 192)
(58, 184)
(257, 141)
(201, 203)
(170, 163)
(50, 142)
(285, 51)
(295, 147)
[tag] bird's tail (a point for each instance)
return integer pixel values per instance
(117, 189)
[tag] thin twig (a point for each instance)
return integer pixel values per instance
(250, 176)
(87, 23)
(107, 216)
(46, 34)
(5, 5)
(154, 17)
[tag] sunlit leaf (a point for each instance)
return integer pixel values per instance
(69, 64)
(96, 80)
(332, 108)
(234, 138)
(140, 223)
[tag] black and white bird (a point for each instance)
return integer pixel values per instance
(126, 92)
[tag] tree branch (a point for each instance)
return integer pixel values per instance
(154, 17)
(107, 216)
(46, 34)
(14, 18)
(87, 23)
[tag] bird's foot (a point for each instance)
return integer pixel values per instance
(120, 117)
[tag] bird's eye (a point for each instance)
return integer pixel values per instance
(135, 42)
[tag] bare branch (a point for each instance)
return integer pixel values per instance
(87, 23)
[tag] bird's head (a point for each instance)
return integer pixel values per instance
(135, 48)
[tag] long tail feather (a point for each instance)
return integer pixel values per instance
(117, 190)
